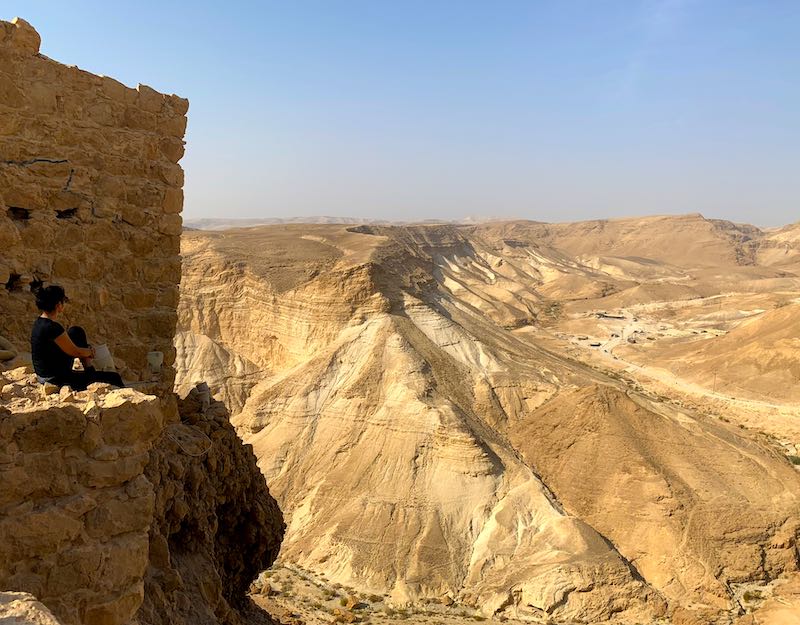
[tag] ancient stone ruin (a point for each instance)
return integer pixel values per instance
(90, 198)
(114, 505)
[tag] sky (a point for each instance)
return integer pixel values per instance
(445, 109)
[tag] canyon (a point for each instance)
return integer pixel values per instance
(493, 412)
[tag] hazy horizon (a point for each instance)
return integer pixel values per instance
(547, 111)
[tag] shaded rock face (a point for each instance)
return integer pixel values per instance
(215, 524)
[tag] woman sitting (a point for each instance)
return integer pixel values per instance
(54, 351)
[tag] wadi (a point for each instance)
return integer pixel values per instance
(583, 422)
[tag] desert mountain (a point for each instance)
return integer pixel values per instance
(429, 425)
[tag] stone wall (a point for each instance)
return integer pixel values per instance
(90, 198)
(75, 505)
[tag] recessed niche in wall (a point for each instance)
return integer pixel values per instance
(18, 214)
(67, 213)
(14, 282)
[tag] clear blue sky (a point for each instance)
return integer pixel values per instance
(401, 109)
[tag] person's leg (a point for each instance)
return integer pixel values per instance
(108, 377)
(76, 380)
(78, 336)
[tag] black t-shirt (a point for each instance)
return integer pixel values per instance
(49, 360)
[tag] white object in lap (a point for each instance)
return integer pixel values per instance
(103, 360)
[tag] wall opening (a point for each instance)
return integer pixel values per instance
(14, 282)
(67, 213)
(16, 213)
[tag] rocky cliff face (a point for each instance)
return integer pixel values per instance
(424, 439)
(215, 525)
(111, 508)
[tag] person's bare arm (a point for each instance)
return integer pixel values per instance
(69, 348)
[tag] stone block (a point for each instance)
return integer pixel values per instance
(130, 423)
(156, 323)
(99, 473)
(120, 516)
(149, 99)
(10, 95)
(179, 105)
(172, 147)
(116, 90)
(41, 97)
(173, 201)
(139, 298)
(25, 39)
(170, 224)
(116, 611)
(49, 429)
(36, 533)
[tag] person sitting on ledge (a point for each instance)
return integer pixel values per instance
(54, 351)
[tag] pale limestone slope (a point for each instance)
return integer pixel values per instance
(396, 416)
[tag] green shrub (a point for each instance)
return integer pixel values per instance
(795, 460)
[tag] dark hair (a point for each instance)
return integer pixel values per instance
(48, 297)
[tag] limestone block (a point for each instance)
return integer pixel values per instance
(126, 560)
(179, 105)
(41, 97)
(173, 148)
(119, 516)
(67, 267)
(116, 90)
(21, 608)
(138, 119)
(173, 201)
(10, 95)
(99, 473)
(172, 126)
(168, 297)
(172, 174)
(133, 215)
(118, 610)
(170, 224)
(48, 429)
(32, 534)
(139, 298)
(25, 39)
(128, 421)
(76, 565)
(156, 323)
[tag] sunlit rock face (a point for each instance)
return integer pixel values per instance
(426, 429)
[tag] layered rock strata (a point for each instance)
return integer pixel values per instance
(90, 198)
(425, 440)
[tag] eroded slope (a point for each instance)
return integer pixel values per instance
(416, 428)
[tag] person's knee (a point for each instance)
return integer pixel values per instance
(78, 336)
